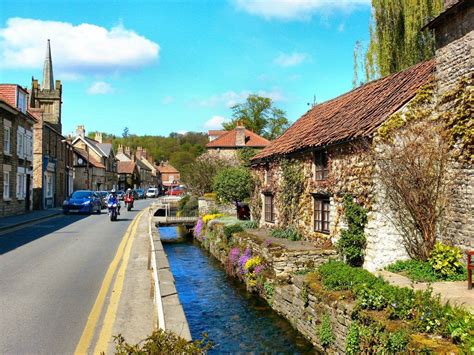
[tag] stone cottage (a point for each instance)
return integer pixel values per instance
(227, 144)
(330, 144)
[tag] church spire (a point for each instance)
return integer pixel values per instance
(48, 82)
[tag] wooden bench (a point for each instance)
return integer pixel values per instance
(470, 267)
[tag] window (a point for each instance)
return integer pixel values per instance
(21, 101)
(29, 145)
(6, 185)
(321, 214)
(321, 169)
(7, 137)
(20, 185)
(20, 142)
(49, 185)
(269, 209)
(268, 177)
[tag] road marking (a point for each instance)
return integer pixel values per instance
(109, 319)
(94, 315)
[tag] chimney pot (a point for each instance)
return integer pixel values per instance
(81, 131)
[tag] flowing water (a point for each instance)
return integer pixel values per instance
(235, 320)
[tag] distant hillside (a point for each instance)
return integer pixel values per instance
(178, 149)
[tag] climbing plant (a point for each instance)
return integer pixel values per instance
(291, 189)
(351, 243)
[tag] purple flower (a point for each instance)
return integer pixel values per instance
(259, 269)
(243, 259)
(267, 243)
(198, 227)
(234, 255)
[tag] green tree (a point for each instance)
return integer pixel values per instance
(259, 115)
(396, 38)
(199, 175)
(180, 159)
(233, 184)
(125, 132)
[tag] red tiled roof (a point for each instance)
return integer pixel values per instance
(216, 132)
(167, 168)
(355, 114)
(126, 167)
(228, 139)
(8, 91)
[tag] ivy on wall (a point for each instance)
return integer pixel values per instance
(291, 189)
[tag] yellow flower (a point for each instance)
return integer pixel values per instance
(208, 217)
(253, 262)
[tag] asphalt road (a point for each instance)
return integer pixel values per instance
(50, 275)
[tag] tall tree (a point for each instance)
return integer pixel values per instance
(259, 115)
(396, 38)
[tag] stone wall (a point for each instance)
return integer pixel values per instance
(207, 205)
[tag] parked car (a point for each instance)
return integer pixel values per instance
(83, 201)
(103, 197)
(140, 193)
(177, 191)
(152, 192)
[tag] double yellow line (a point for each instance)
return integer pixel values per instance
(123, 254)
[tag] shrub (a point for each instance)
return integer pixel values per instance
(445, 260)
(351, 243)
(422, 271)
(231, 229)
(162, 342)
(353, 340)
(188, 206)
(249, 224)
(340, 276)
(325, 334)
(269, 288)
(398, 342)
(290, 233)
(233, 184)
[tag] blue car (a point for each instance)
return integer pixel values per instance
(83, 201)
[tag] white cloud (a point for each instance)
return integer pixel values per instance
(76, 49)
(230, 98)
(290, 60)
(215, 122)
(100, 88)
(167, 100)
(295, 9)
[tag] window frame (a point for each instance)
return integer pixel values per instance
(269, 215)
(321, 165)
(6, 186)
(7, 143)
(321, 214)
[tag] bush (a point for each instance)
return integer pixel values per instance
(162, 342)
(353, 340)
(325, 334)
(422, 271)
(351, 243)
(233, 184)
(188, 206)
(231, 229)
(445, 260)
(199, 175)
(290, 233)
(249, 224)
(339, 276)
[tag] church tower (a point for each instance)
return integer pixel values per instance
(48, 97)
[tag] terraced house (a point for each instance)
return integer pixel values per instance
(332, 142)
(16, 156)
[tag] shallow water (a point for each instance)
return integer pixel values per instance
(235, 320)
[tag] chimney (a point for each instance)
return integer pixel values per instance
(120, 149)
(80, 131)
(127, 151)
(240, 134)
(449, 3)
(98, 137)
(139, 153)
(145, 154)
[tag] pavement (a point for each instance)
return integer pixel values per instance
(454, 292)
(33, 216)
(51, 276)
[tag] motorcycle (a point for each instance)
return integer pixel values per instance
(112, 207)
(128, 199)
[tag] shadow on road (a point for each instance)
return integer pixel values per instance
(17, 238)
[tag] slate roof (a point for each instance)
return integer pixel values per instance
(105, 147)
(126, 167)
(142, 165)
(355, 114)
(228, 139)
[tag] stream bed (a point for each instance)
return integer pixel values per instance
(235, 320)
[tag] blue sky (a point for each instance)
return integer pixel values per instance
(174, 66)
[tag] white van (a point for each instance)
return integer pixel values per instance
(152, 192)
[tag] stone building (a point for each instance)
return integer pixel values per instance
(95, 164)
(129, 176)
(150, 179)
(227, 144)
(16, 156)
(169, 176)
(323, 142)
(330, 143)
(53, 157)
